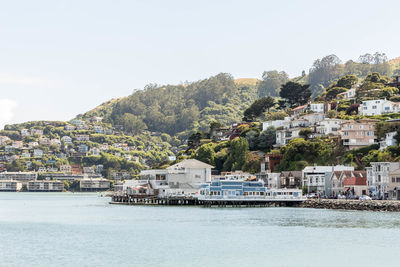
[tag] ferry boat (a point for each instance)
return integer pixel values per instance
(233, 190)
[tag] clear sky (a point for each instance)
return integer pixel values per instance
(61, 58)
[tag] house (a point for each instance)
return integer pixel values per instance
(25, 132)
(52, 169)
(45, 186)
(394, 185)
(69, 127)
(95, 119)
(104, 147)
(26, 154)
(94, 184)
(186, 176)
(82, 137)
(356, 134)
(10, 186)
(82, 127)
(98, 129)
(128, 157)
(271, 160)
(65, 168)
(378, 107)
(356, 186)
(378, 178)
(55, 141)
(9, 148)
(3, 140)
(313, 118)
(328, 127)
(37, 153)
(66, 139)
(290, 179)
(299, 110)
(389, 140)
(88, 170)
(17, 144)
(33, 144)
(320, 107)
(36, 132)
(350, 94)
(337, 182)
(77, 122)
(95, 151)
(121, 175)
(42, 169)
(317, 178)
(220, 133)
(99, 168)
(82, 148)
(108, 131)
(275, 124)
(44, 141)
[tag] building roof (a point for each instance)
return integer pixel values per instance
(190, 164)
(291, 174)
(300, 107)
(351, 181)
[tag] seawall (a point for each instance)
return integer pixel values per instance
(342, 204)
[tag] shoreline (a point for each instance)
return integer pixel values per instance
(345, 204)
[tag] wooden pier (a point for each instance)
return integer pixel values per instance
(194, 201)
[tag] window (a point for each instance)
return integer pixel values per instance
(373, 107)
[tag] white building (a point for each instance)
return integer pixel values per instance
(275, 124)
(10, 185)
(24, 132)
(378, 107)
(378, 177)
(317, 178)
(82, 137)
(328, 127)
(18, 176)
(33, 144)
(45, 186)
(66, 168)
(350, 94)
(186, 176)
(388, 140)
(94, 184)
(66, 139)
(38, 153)
(95, 151)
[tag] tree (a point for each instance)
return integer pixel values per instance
(347, 81)
(353, 109)
(133, 124)
(267, 139)
(271, 83)
(258, 108)
(252, 163)
(305, 133)
(206, 153)
(325, 70)
(238, 149)
(295, 94)
(333, 92)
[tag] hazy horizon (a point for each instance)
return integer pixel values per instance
(60, 59)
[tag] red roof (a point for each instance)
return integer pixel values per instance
(351, 181)
(300, 107)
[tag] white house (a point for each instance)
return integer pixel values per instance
(328, 127)
(378, 177)
(276, 124)
(38, 153)
(24, 132)
(388, 140)
(319, 107)
(66, 139)
(82, 137)
(377, 107)
(33, 144)
(95, 151)
(350, 94)
(317, 178)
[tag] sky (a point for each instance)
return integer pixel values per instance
(62, 58)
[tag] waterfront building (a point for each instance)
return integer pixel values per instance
(394, 185)
(337, 182)
(317, 178)
(356, 186)
(290, 179)
(18, 176)
(45, 186)
(356, 134)
(378, 178)
(94, 184)
(10, 186)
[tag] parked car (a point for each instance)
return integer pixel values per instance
(365, 197)
(341, 196)
(312, 195)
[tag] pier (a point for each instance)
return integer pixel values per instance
(124, 199)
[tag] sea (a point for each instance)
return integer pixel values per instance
(77, 229)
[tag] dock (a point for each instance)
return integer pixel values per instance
(124, 199)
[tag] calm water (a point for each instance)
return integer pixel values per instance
(84, 230)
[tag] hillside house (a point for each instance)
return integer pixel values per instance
(350, 94)
(4, 140)
(328, 127)
(67, 140)
(66, 168)
(356, 134)
(25, 132)
(299, 110)
(95, 151)
(82, 137)
(378, 107)
(33, 144)
(69, 127)
(82, 148)
(36, 132)
(44, 141)
(389, 140)
(17, 144)
(37, 153)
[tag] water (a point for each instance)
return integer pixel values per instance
(61, 229)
